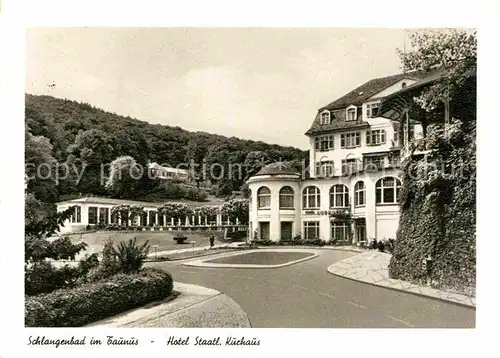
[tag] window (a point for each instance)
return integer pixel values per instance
(350, 140)
(339, 196)
(324, 143)
(372, 110)
(374, 163)
(264, 198)
(340, 231)
(325, 118)
(144, 219)
(92, 215)
(351, 114)
(152, 217)
(387, 190)
(114, 217)
(286, 198)
(396, 134)
(311, 230)
(103, 215)
(324, 169)
(359, 193)
(76, 217)
(349, 166)
(375, 137)
(395, 160)
(311, 198)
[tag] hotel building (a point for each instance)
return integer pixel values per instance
(349, 193)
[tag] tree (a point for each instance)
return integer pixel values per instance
(438, 192)
(176, 211)
(452, 52)
(127, 212)
(236, 209)
(40, 167)
(124, 177)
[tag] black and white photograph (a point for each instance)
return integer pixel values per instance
(248, 186)
(180, 177)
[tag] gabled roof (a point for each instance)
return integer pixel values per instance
(359, 95)
(362, 93)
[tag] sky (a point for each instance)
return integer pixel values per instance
(254, 83)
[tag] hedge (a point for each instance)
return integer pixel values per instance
(92, 302)
(438, 213)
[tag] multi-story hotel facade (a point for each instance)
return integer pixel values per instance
(349, 192)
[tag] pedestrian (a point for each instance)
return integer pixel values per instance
(212, 240)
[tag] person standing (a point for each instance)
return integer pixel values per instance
(212, 240)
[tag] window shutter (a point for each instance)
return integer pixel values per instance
(368, 138)
(358, 139)
(342, 141)
(382, 136)
(330, 142)
(316, 143)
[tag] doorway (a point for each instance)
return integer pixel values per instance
(264, 230)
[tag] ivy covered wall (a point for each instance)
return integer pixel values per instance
(438, 211)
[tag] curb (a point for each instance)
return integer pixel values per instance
(201, 263)
(179, 286)
(399, 290)
(230, 249)
(311, 247)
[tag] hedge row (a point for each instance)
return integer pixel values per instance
(91, 302)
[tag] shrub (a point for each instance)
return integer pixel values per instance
(94, 301)
(373, 244)
(43, 277)
(131, 256)
(237, 235)
(380, 246)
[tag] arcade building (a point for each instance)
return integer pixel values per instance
(349, 192)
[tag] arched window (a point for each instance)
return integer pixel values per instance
(325, 118)
(311, 197)
(359, 193)
(264, 198)
(286, 198)
(339, 196)
(387, 190)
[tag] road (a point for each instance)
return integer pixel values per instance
(305, 295)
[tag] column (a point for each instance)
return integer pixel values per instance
(354, 239)
(206, 221)
(172, 221)
(325, 229)
(148, 219)
(370, 215)
(98, 215)
(274, 221)
(199, 220)
(85, 215)
(219, 219)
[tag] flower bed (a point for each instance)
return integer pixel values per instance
(94, 301)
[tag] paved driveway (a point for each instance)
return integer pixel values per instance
(306, 295)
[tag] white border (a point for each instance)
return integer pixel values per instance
(17, 14)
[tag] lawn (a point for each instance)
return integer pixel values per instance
(262, 258)
(163, 240)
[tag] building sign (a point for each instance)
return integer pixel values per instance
(338, 212)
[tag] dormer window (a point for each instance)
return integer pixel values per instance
(372, 109)
(351, 114)
(325, 118)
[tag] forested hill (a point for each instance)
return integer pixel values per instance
(82, 133)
